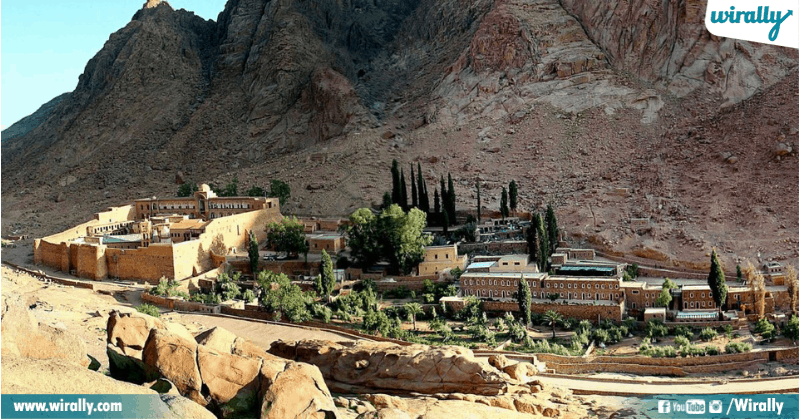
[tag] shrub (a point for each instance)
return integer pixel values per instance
(792, 329)
(584, 325)
(428, 298)
(655, 328)
(681, 341)
(658, 351)
(711, 350)
(615, 334)
(684, 331)
(766, 328)
(516, 331)
(601, 335)
(483, 334)
(692, 350)
(708, 334)
(728, 329)
(148, 309)
(737, 347)
(248, 296)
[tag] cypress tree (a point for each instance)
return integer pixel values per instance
(426, 202)
(544, 247)
(504, 203)
(478, 188)
(327, 278)
(395, 183)
(421, 192)
(451, 199)
(436, 204)
(716, 280)
(552, 229)
(512, 195)
(524, 300)
(414, 202)
(252, 252)
(534, 242)
(387, 200)
(445, 222)
(403, 191)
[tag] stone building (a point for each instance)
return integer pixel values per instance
(438, 259)
(154, 238)
(331, 242)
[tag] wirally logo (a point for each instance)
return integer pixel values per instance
(768, 21)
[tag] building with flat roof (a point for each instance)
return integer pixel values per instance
(154, 238)
(438, 259)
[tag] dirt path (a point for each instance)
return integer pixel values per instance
(788, 385)
(262, 334)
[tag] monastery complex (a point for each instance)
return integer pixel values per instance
(154, 238)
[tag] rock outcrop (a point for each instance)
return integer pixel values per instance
(387, 366)
(216, 369)
(23, 336)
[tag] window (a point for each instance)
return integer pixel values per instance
(569, 285)
(548, 285)
(596, 286)
(533, 284)
(562, 285)
(703, 304)
(703, 295)
(436, 256)
(583, 285)
(647, 304)
(447, 256)
(634, 291)
(633, 305)
(603, 286)
(561, 294)
(617, 286)
(515, 283)
(533, 294)
(691, 295)
(691, 305)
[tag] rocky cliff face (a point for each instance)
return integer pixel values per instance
(589, 88)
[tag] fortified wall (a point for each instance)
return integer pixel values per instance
(65, 252)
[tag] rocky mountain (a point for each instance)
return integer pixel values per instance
(590, 89)
(25, 125)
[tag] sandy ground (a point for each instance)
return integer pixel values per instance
(789, 384)
(262, 334)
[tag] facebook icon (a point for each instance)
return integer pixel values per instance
(663, 406)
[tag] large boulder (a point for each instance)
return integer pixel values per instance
(232, 381)
(247, 349)
(294, 390)
(521, 371)
(23, 336)
(218, 339)
(414, 368)
(129, 331)
(58, 376)
(176, 359)
(129, 368)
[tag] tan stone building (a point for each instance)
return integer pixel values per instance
(154, 238)
(331, 242)
(438, 259)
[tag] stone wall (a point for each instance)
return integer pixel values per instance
(494, 248)
(578, 311)
(168, 303)
(146, 263)
(91, 261)
(413, 283)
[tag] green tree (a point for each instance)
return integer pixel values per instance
(524, 300)
(327, 278)
(552, 229)
(451, 200)
(403, 191)
(232, 188)
(792, 329)
(148, 309)
(256, 191)
(478, 189)
(445, 223)
(287, 236)
(436, 205)
(286, 298)
(512, 195)
(664, 298)
(534, 242)
(363, 237)
(413, 309)
(669, 284)
(252, 251)
(552, 318)
(395, 182)
(403, 243)
(504, 203)
(738, 273)
(421, 191)
(443, 195)
(716, 280)
(414, 200)
(187, 189)
(543, 247)
(281, 190)
(387, 200)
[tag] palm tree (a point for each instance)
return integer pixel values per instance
(413, 309)
(552, 318)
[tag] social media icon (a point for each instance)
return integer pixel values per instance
(695, 406)
(663, 406)
(715, 406)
